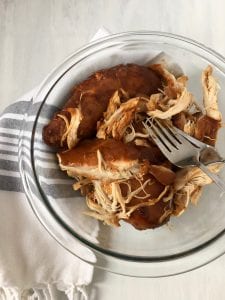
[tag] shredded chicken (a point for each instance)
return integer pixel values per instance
(175, 106)
(70, 134)
(210, 91)
(110, 206)
(141, 142)
(189, 127)
(81, 181)
(173, 99)
(188, 186)
(116, 123)
(130, 135)
(173, 85)
(114, 103)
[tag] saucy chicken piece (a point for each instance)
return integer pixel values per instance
(90, 99)
(207, 129)
(207, 126)
(102, 159)
(160, 206)
(118, 171)
(143, 202)
(110, 159)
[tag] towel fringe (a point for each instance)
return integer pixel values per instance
(46, 292)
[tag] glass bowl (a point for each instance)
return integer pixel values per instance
(189, 241)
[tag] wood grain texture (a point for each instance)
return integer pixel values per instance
(35, 35)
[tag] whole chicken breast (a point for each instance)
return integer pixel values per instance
(89, 99)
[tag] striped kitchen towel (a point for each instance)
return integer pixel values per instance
(32, 264)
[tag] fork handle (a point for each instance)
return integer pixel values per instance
(218, 181)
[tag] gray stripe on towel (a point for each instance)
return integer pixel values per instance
(19, 107)
(9, 165)
(9, 183)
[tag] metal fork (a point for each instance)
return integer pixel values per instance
(183, 150)
(208, 154)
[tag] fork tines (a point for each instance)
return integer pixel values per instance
(164, 135)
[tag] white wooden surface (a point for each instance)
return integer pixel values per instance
(35, 35)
